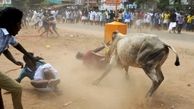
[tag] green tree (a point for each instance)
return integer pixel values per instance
(21, 4)
(139, 2)
(162, 4)
(26, 4)
(144, 3)
(36, 1)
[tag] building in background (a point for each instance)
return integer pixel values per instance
(119, 4)
(1, 1)
(110, 4)
(5, 3)
(183, 2)
(100, 4)
(55, 1)
(79, 2)
(91, 4)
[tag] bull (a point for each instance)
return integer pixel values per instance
(143, 51)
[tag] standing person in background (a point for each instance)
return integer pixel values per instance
(188, 22)
(180, 22)
(172, 25)
(53, 21)
(107, 16)
(120, 16)
(46, 26)
(10, 25)
(166, 19)
(127, 18)
(111, 16)
(192, 22)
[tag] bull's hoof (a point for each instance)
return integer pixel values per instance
(96, 82)
(127, 77)
(148, 95)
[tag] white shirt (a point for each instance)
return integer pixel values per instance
(39, 73)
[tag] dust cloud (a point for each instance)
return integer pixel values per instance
(114, 91)
(76, 90)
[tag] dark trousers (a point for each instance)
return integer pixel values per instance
(179, 27)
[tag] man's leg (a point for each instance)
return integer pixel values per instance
(21, 76)
(52, 83)
(39, 83)
(25, 73)
(12, 86)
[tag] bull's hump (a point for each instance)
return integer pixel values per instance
(133, 40)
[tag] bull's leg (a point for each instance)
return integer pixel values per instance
(159, 74)
(142, 57)
(108, 69)
(156, 76)
(126, 73)
(153, 69)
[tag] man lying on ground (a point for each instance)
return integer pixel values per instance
(92, 58)
(42, 75)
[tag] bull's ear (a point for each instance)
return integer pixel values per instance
(114, 35)
(115, 32)
(108, 43)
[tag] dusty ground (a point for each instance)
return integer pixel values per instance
(114, 92)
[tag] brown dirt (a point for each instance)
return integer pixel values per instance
(114, 92)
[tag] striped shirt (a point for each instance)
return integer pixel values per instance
(6, 39)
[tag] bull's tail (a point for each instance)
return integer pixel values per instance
(177, 63)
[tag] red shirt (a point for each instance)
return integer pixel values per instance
(90, 58)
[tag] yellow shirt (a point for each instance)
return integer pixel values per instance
(166, 16)
(189, 19)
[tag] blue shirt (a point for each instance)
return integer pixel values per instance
(27, 72)
(6, 39)
(127, 16)
(38, 63)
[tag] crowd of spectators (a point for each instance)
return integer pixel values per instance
(170, 20)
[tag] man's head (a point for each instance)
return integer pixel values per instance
(79, 55)
(32, 54)
(11, 18)
(29, 63)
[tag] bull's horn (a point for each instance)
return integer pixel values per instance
(105, 45)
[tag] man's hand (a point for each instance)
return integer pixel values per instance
(19, 63)
(32, 58)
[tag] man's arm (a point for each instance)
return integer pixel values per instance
(20, 48)
(9, 56)
(98, 49)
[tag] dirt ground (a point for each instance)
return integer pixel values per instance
(114, 92)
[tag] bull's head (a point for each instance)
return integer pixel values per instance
(107, 51)
(111, 45)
